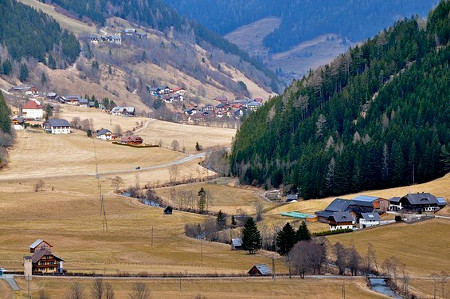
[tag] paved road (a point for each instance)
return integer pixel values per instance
(9, 278)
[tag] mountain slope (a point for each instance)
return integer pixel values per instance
(377, 116)
(28, 33)
(302, 20)
(157, 15)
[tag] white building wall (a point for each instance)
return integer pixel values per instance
(60, 130)
(368, 223)
(33, 113)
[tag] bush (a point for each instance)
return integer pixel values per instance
(398, 218)
(333, 232)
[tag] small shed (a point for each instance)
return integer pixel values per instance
(260, 270)
(168, 210)
(236, 244)
(292, 197)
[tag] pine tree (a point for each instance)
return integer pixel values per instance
(221, 220)
(303, 233)
(398, 164)
(5, 122)
(23, 73)
(7, 67)
(285, 239)
(201, 200)
(251, 237)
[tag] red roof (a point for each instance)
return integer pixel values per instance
(31, 105)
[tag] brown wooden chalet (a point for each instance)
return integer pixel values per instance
(131, 140)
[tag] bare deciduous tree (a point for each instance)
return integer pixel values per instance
(173, 172)
(117, 182)
(175, 145)
(39, 186)
(109, 291)
(98, 289)
(341, 257)
(140, 291)
(75, 292)
(259, 209)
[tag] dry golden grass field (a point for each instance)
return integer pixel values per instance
(73, 25)
(156, 130)
(230, 200)
(224, 288)
(423, 247)
(38, 155)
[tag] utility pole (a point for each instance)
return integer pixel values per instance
(201, 250)
(152, 236)
(273, 268)
(343, 289)
(181, 289)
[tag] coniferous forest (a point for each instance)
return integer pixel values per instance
(302, 20)
(378, 116)
(26, 33)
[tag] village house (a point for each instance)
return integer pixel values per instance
(112, 39)
(341, 220)
(369, 219)
(120, 110)
(104, 134)
(236, 244)
(130, 31)
(51, 96)
(43, 261)
(417, 203)
(32, 110)
(40, 244)
(179, 90)
(131, 140)
(260, 270)
(72, 100)
(378, 203)
(253, 106)
(57, 126)
(94, 39)
(356, 206)
(18, 123)
(84, 103)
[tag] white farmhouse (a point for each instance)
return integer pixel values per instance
(32, 110)
(369, 219)
(104, 134)
(57, 126)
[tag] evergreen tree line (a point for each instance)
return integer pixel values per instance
(26, 33)
(376, 117)
(302, 20)
(156, 14)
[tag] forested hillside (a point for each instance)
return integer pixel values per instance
(27, 33)
(376, 117)
(5, 129)
(156, 14)
(302, 20)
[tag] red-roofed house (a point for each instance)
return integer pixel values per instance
(32, 110)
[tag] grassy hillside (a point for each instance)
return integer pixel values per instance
(348, 125)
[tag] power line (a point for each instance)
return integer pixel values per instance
(99, 186)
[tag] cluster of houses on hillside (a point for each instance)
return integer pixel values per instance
(364, 211)
(117, 37)
(233, 109)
